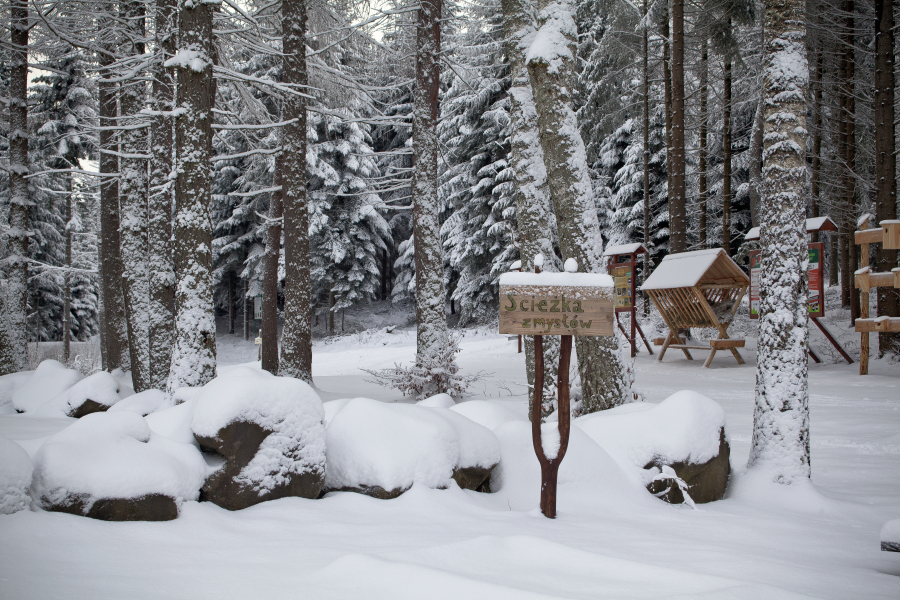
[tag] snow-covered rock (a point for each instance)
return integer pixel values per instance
(95, 393)
(487, 414)
(438, 401)
(686, 432)
(15, 477)
(271, 432)
(144, 403)
(50, 379)
(8, 385)
(382, 449)
(890, 536)
(111, 466)
(174, 423)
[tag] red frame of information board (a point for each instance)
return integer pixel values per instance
(816, 281)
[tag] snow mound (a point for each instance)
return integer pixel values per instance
(8, 385)
(114, 456)
(15, 477)
(174, 422)
(333, 407)
(487, 414)
(685, 427)
(438, 401)
(95, 393)
(144, 403)
(288, 408)
(373, 444)
(50, 379)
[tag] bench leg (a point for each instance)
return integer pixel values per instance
(664, 346)
(737, 356)
(712, 352)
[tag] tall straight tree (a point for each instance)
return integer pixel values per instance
(534, 215)
(885, 161)
(678, 189)
(162, 195)
(194, 356)
(17, 246)
(432, 339)
(296, 338)
(701, 151)
(269, 335)
(780, 443)
(726, 152)
(133, 197)
(605, 377)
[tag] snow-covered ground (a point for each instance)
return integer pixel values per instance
(759, 542)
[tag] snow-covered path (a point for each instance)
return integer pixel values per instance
(453, 543)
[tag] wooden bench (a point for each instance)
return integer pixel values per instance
(725, 344)
(714, 346)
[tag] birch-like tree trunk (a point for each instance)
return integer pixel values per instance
(780, 443)
(17, 235)
(605, 376)
(535, 222)
(269, 348)
(296, 337)
(431, 322)
(162, 195)
(133, 201)
(194, 355)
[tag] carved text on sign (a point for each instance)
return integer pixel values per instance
(555, 310)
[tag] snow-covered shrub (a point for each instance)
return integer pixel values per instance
(50, 379)
(270, 431)
(382, 449)
(111, 466)
(15, 477)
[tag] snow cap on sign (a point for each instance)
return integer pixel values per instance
(636, 247)
(812, 225)
(686, 269)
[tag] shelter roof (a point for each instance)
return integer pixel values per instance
(812, 226)
(636, 247)
(687, 269)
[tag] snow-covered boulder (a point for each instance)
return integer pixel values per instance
(110, 466)
(382, 449)
(890, 536)
(487, 414)
(8, 385)
(49, 380)
(144, 403)
(95, 393)
(15, 477)
(685, 432)
(438, 401)
(270, 431)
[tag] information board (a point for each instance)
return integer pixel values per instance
(551, 310)
(624, 282)
(816, 280)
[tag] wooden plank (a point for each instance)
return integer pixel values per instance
(878, 324)
(868, 236)
(890, 231)
(729, 343)
(659, 341)
(868, 280)
(556, 310)
(688, 347)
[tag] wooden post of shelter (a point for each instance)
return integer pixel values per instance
(621, 264)
(702, 289)
(888, 234)
(583, 305)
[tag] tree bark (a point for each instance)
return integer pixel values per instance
(605, 377)
(780, 445)
(296, 337)
(817, 141)
(885, 162)
(231, 310)
(270, 277)
(162, 196)
(194, 355)
(645, 59)
(667, 90)
(67, 306)
(677, 209)
(133, 202)
(535, 222)
(848, 89)
(245, 286)
(726, 157)
(704, 130)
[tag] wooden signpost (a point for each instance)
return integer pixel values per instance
(564, 304)
(622, 265)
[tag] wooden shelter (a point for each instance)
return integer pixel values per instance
(703, 288)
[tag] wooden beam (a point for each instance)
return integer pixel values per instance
(729, 343)
(878, 324)
(868, 236)
(866, 281)
(890, 235)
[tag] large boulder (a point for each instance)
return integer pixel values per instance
(382, 449)
(143, 403)
(679, 445)
(8, 385)
(15, 477)
(269, 435)
(49, 380)
(95, 393)
(111, 466)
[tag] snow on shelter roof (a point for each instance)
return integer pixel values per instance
(625, 249)
(557, 279)
(812, 225)
(687, 269)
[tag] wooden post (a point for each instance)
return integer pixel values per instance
(864, 308)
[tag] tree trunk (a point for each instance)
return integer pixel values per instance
(885, 162)
(605, 377)
(231, 303)
(431, 321)
(726, 157)
(817, 142)
(704, 130)
(110, 251)
(834, 259)
(667, 88)
(535, 223)
(780, 444)
(270, 277)
(756, 147)
(8, 362)
(162, 195)
(677, 210)
(296, 337)
(331, 312)
(645, 39)
(245, 286)
(67, 307)
(133, 202)
(194, 355)
(848, 117)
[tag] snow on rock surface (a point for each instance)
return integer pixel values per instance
(8, 385)
(382, 449)
(15, 477)
(174, 423)
(50, 379)
(271, 431)
(685, 431)
(487, 414)
(111, 466)
(143, 403)
(438, 401)
(890, 536)
(95, 393)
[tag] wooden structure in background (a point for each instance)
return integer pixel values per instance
(703, 288)
(888, 234)
(622, 264)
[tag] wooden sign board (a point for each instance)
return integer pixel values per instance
(556, 310)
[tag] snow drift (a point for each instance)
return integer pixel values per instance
(50, 379)
(15, 477)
